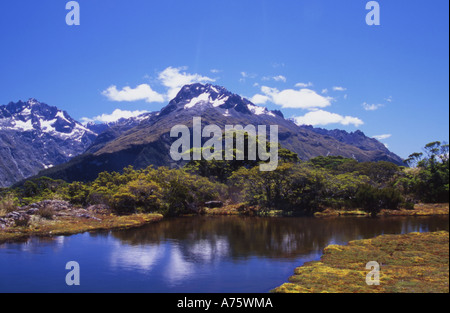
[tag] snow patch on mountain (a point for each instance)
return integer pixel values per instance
(47, 125)
(24, 126)
(203, 98)
(35, 136)
(257, 110)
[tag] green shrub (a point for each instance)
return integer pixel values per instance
(123, 203)
(77, 193)
(147, 195)
(372, 200)
(100, 196)
(408, 206)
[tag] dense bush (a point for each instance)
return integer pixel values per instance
(291, 187)
(163, 190)
(428, 181)
(373, 200)
(295, 186)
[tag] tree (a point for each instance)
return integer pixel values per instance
(332, 162)
(291, 187)
(220, 169)
(340, 189)
(429, 182)
(372, 200)
(77, 193)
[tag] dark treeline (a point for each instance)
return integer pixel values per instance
(296, 186)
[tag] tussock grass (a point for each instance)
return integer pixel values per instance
(7, 205)
(75, 225)
(412, 263)
(46, 212)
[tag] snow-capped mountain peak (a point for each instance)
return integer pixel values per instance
(35, 136)
(34, 116)
(32, 101)
(199, 97)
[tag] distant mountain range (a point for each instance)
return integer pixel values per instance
(36, 137)
(361, 141)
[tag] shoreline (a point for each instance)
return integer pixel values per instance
(65, 220)
(410, 263)
(76, 226)
(421, 209)
(71, 220)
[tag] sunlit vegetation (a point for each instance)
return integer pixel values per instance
(48, 225)
(428, 178)
(7, 204)
(296, 187)
(412, 263)
(321, 187)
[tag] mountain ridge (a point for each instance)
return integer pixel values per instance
(35, 136)
(148, 143)
(37, 139)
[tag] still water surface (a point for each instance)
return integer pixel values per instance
(196, 255)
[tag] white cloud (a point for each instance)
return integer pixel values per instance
(338, 88)
(215, 71)
(279, 78)
(141, 92)
(382, 137)
(174, 79)
(245, 75)
(371, 107)
(325, 91)
(248, 75)
(320, 117)
(304, 85)
(296, 99)
(114, 116)
(259, 99)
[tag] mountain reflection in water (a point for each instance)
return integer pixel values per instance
(208, 238)
(196, 254)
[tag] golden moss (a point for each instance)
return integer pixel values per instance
(73, 225)
(422, 209)
(336, 213)
(412, 263)
(232, 209)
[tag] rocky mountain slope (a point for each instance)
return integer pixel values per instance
(35, 136)
(149, 142)
(361, 141)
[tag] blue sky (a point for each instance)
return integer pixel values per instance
(316, 60)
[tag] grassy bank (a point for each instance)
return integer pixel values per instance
(411, 263)
(419, 210)
(74, 221)
(422, 209)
